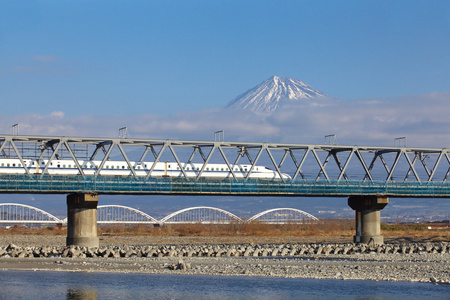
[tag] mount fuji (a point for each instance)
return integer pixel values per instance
(270, 94)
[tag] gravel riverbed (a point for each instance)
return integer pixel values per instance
(416, 262)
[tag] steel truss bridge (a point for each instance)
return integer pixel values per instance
(14, 213)
(314, 170)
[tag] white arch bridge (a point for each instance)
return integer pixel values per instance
(14, 213)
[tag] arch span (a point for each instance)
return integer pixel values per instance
(119, 214)
(25, 214)
(201, 214)
(283, 215)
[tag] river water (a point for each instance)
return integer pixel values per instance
(70, 285)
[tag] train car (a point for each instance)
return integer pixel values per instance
(121, 168)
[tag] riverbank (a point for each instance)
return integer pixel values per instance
(391, 267)
(239, 256)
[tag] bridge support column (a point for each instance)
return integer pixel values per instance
(82, 220)
(367, 209)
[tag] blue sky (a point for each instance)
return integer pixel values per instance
(69, 67)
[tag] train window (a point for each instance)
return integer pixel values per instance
(222, 169)
(3, 164)
(123, 167)
(198, 168)
(43, 163)
(178, 168)
(207, 169)
(14, 165)
(20, 165)
(7, 165)
(118, 167)
(139, 167)
(187, 168)
(59, 166)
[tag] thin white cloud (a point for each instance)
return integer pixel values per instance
(23, 69)
(57, 114)
(31, 64)
(423, 119)
(45, 58)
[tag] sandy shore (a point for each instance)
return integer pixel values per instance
(420, 266)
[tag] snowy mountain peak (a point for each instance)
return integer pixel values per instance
(270, 94)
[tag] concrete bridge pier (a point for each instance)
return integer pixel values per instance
(367, 209)
(82, 220)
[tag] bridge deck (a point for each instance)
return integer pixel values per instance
(49, 164)
(52, 184)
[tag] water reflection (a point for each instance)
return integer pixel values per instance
(72, 285)
(81, 294)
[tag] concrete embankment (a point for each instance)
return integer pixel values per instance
(222, 250)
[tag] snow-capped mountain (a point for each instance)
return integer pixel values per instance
(269, 95)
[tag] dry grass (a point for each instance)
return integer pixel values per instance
(326, 228)
(22, 230)
(417, 232)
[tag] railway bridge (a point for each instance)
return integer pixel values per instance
(86, 167)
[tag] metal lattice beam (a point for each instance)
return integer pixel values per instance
(299, 162)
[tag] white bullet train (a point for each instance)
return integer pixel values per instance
(121, 168)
